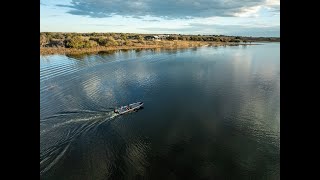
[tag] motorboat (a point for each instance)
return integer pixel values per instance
(128, 108)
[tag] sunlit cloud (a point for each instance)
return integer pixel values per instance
(250, 17)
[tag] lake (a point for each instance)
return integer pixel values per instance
(209, 113)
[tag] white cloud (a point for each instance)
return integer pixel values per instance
(169, 9)
(249, 12)
(171, 16)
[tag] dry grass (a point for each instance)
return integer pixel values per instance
(136, 45)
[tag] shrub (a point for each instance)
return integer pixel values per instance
(43, 40)
(111, 41)
(96, 39)
(90, 44)
(140, 39)
(55, 43)
(75, 42)
(128, 43)
(234, 40)
(102, 41)
(57, 36)
(124, 37)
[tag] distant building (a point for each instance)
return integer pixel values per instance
(151, 38)
(163, 37)
(156, 37)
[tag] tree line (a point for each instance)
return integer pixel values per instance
(89, 40)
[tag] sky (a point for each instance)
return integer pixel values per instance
(213, 17)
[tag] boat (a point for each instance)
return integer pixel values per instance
(128, 108)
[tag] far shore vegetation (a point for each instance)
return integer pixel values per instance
(76, 43)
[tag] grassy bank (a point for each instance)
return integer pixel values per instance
(75, 43)
(135, 45)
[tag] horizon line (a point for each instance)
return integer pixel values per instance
(158, 33)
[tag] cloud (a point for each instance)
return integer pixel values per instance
(169, 9)
(151, 20)
(107, 25)
(43, 4)
(273, 4)
(54, 15)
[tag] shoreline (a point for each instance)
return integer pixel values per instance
(178, 45)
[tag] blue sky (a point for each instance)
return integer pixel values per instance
(227, 17)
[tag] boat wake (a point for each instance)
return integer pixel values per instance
(57, 132)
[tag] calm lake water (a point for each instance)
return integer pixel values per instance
(209, 113)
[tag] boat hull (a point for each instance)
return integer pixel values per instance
(129, 108)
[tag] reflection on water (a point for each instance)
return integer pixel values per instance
(210, 113)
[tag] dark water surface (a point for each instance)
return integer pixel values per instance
(210, 113)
